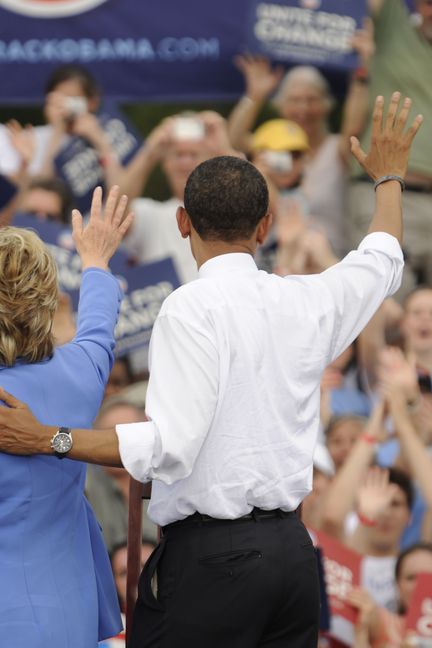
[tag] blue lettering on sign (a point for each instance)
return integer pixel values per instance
(87, 50)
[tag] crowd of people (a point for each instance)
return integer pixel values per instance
(371, 490)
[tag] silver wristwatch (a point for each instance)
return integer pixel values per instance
(62, 442)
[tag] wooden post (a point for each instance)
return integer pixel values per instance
(137, 491)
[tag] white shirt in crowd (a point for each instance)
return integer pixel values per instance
(235, 362)
(155, 236)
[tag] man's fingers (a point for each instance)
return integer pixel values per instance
(121, 208)
(412, 131)
(126, 224)
(357, 150)
(401, 120)
(111, 204)
(96, 206)
(391, 112)
(377, 117)
(10, 400)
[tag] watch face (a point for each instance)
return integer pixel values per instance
(62, 442)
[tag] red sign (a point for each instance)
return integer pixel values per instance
(342, 573)
(419, 617)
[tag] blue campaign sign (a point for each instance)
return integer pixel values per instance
(145, 286)
(160, 50)
(317, 32)
(137, 50)
(78, 163)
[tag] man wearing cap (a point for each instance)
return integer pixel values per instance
(233, 410)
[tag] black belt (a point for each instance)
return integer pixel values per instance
(417, 188)
(257, 514)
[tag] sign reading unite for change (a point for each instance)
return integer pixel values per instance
(317, 32)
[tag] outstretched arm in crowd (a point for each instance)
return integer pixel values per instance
(261, 80)
(399, 383)
(341, 495)
(133, 178)
(372, 339)
(356, 105)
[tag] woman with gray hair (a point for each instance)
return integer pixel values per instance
(303, 96)
(56, 586)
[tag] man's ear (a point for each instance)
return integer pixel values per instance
(264, 228)
(183, 222)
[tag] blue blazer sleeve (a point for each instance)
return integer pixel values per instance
(98, 310)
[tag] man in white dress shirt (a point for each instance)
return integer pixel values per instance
(233, 409)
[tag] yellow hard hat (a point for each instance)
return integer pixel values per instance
(279, 135)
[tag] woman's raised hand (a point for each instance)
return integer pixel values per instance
(97, 241)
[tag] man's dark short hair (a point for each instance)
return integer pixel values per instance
(225, 198)
(77, 73)
(401, 479)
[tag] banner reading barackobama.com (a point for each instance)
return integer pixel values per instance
(142, 50)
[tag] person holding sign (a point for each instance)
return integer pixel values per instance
(233, 408)
(56, 586)
(378, 627)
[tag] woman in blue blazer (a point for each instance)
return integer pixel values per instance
(56, 586)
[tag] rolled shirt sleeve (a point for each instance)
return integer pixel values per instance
(352, 290)
(181, 402)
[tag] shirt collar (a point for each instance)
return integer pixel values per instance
(227, 263)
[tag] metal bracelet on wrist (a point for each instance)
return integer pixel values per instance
(387, 178)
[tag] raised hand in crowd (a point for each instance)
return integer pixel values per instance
(216, 139)
(385, 323)
(301, 249)
(341, 495)
(374, 494)
(397, 375)
(97, 241)
(87, 126)
(398, 383)
(261, 78)
(356, 106)
(23, 141)
(367, 618)
(363, 42)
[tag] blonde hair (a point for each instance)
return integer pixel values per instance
(28, 297)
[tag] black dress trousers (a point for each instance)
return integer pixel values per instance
(230, 584)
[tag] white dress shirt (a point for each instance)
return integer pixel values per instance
(236, 359)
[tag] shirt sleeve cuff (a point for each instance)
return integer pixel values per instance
(136, 446)
(382, 242)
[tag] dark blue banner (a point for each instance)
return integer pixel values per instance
(160, 50)
(317, 32)
(145, 286)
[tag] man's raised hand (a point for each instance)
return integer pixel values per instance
(390, 141)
